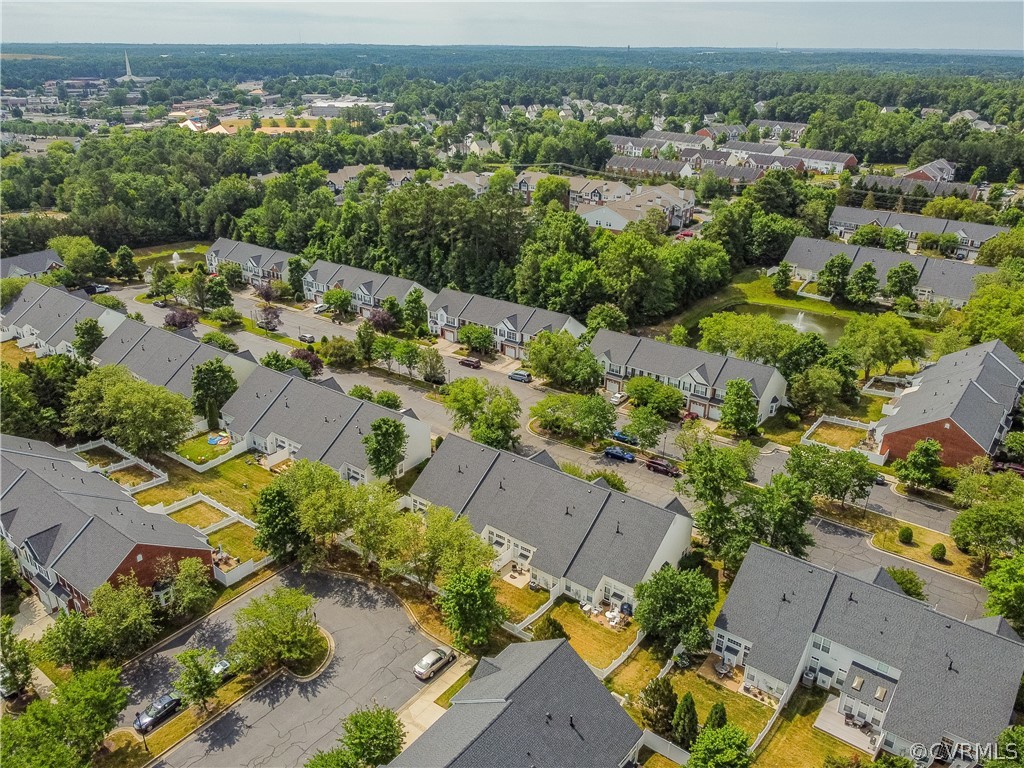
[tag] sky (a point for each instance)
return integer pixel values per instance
(874, 24)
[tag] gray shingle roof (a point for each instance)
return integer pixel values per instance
(533, 704)
(483, 310)
(678, 138)
(821, 155)
(657, 357)
(35, 263)
(571, 523)
(955, 678)
(869, 686)
(975, 388)
(911, 222)
(241, 253)
(77, 522)
(935, 188)
(53, 312)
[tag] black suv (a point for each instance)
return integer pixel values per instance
(156, 713)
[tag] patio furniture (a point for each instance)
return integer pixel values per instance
(848, 719)
(586, 607)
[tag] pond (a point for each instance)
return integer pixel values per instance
(830, 327)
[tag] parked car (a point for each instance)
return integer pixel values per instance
(470, 362)
(160, 304)
(307, 338)
(618, 398)
(524, 376)
(267, 325)
(1008, 466)
(222, 669)
(684, 234)
(433, 662)
(318, 308)
(622, 437)
(690, 416)
(157, 712)
(619, 454)
(97, 288)
(663, 467)
(879, 479)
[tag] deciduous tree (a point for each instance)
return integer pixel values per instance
(672, 607)
(385, 446)
(470, 608)
(213, 384)
(374, 735)
(739, 408)
(88, 337)
(278, 628)
(196, 683)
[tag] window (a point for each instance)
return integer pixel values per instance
(700, 390)
(883, 668)
(138, 558)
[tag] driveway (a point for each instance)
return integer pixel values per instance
(849, 550)
(376, 648)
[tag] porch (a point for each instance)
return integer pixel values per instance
(725, 673)
(515, 573)
(848, 729)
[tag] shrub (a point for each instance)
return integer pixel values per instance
(692, 559)
(228, 317)
(946, 478)
(791, 419)
(938, 552)
(223, 341)
(906, 535)
(361, 392)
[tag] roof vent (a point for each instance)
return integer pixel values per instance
(784, 598)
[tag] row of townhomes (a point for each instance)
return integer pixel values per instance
(513, 325)
(700, 150)
(938, 279)
(702, 376)
(905, 185)
(576, 538)
(259, 265)
(845, 220)
(72, 529)
(965, 401)
(280, 414)
(736, 174)
(894, 666)
(533, 704)
(368, 289)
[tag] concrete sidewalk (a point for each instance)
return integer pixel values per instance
(420, 712)
(30, 623)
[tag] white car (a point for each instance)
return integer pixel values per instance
(319, 308)
(619, 398)
(220, 669)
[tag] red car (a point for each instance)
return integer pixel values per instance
(1008, 466)
(690, 416)
(684, 233)
(663, 467)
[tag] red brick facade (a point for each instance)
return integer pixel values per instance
(957, 446)
(145, 569)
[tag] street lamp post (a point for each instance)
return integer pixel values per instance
(144, 742)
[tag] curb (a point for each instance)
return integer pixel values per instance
(260, 686)
(869, 536)
(323, 665)
(906, 495)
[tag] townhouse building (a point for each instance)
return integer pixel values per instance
(896, 669)
(716, 130)
(747, 148)
(43, 319)
(937, 170)
(903, 185)
(71, 529)
(368, 289)
(779, 128)
(965, 401)
(823, 160)
(676, 204)
(701, 376)
(938, 279)
(30, 264)
(287, 417)
(513, 325)
(532, 701)
(631, 146)
(576, 538)
(260, 266)
(845, 220)
(681, 140)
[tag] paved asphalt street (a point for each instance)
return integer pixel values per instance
(376, 648)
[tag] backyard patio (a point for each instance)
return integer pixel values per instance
(835, 723)
(594, 641)
(238, 541)
(731, 677)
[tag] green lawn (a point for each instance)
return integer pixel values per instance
(776, 429)
(199, 515)
(239, 541)
(131, 476)
(520, 601)
(199, 451)
(795, 741)
(633, 674)
(445, 699)
(592, 641)
(101, 456)
(650, 759)
(12, 354)
(868, 408)
(743, 711)
(838, 435)
(235, 483)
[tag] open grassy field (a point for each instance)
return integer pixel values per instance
(235, 483)
(592, 641)
(795, 741)
(839, 435)
(199, 515)
(12, 354)
(239, 541)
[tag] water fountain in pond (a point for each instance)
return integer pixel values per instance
(799, 321)
(175, 260)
